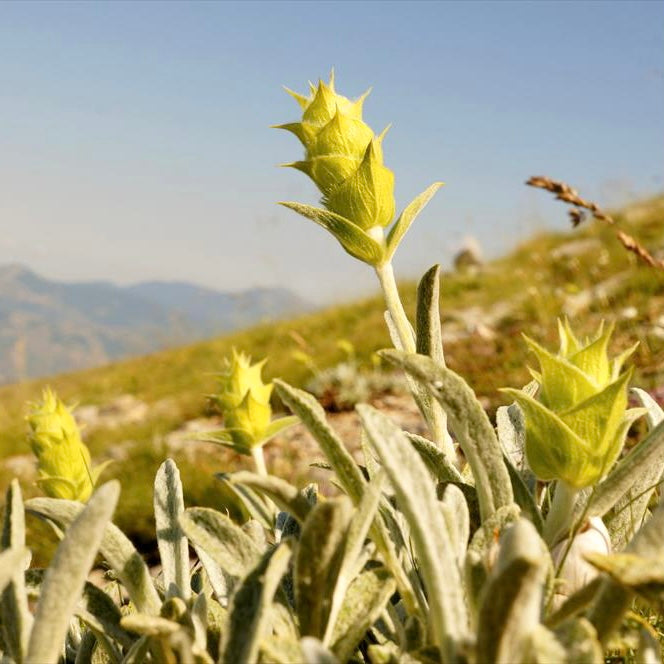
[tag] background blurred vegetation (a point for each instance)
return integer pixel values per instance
(584, 272)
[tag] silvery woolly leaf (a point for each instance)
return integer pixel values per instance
(285, 495)
(579, 639)
(440, 466)
(457, 518)
(172, 543)
(313, 416)
(643, 575)
(224, 541)
(243, 503)
(470, 425)
(483, 549)
(511, 605)
(248, 613)
(641, 459)
(318, 561)
(15, 617)
(655, 414)
(11, 563)
(429, 342)
(95, 607)
(628, 514)
(353, 561)
(146, 625)
(314, 652)
(116, 548)
(349, 474)
(416, 497)
(66, 575)
(363, 603)
(613, 599)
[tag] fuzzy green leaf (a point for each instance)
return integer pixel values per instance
(614, 599)
(285, 495)
(313, 416)
(511, 605)
(11, 563)
(15, 617)
(224, 541)
(593, 359)
(416, 497)
(116, 548)
(172, 543)
(363, 604)
(438, 463)
(66, 575)
(353, 560)
(248, 613)
(407, 217)
(482, 550)
(469, 423)
(95, 607)
(318, 560)
(353, 239)
(648, 454)
(314, 652)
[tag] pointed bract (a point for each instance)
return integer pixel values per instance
(576, 430)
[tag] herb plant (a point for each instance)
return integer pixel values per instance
(524, 542)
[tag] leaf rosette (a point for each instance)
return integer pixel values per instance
(576, 428)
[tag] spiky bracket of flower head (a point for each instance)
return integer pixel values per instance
(576, 429)
(64, 465)
(344, 158)
(244, 400)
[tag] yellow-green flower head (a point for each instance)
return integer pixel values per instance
(343, 157)
(63, 460)
(245, 401)
(576, 429)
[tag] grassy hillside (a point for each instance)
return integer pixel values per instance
(585, 272)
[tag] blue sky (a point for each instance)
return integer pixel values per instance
(135, 139)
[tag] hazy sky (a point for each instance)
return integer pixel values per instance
(135, 140)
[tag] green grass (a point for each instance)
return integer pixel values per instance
(175, 382)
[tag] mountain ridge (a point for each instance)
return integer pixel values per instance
(50, 326)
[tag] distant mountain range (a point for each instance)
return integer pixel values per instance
(47, 327)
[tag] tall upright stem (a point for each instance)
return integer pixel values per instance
(561, 515)
(393, 301)
(259, 459)
(431, 409)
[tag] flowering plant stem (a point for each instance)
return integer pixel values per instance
(395, 308)
(259, 459)
(434, 413)
(561, 515)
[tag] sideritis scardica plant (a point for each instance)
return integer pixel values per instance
(435, 550)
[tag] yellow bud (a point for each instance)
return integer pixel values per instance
(245, 401)
(577, 427)
(344, 157)
(367, 196)
(63, 460)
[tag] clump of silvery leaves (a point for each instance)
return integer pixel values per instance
(346, 384)
(528, 542)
